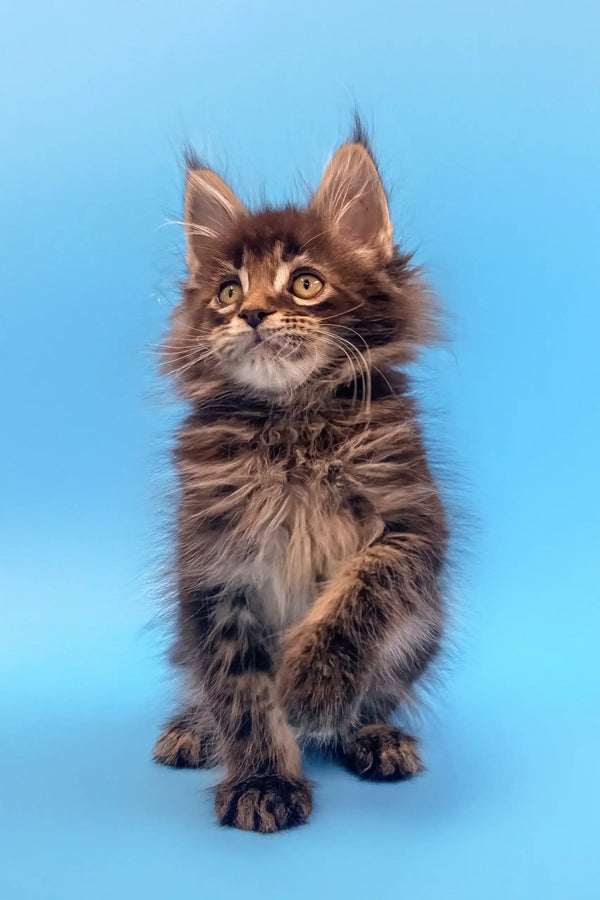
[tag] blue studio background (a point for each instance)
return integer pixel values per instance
(486, 119)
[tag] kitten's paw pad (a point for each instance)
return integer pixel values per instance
(264, 803)
(383, 753)
(184, 748)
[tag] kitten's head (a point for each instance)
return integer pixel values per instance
(287, 297)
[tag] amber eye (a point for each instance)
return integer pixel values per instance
(230, 292)
(306, 286)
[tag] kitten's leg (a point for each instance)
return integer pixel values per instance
(189, 741)
(264, 788)
(378, 750)
(386, 594)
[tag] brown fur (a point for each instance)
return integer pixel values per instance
(188, 742)
(311, 536)
(383, 753)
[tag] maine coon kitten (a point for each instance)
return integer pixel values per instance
(311, 536)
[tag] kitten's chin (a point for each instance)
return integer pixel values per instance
(270, 375)
(275, 364)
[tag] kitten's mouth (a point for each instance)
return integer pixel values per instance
(270, 360)
(274, 344)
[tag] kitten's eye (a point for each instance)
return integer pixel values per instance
(230, 292)
(306, 286)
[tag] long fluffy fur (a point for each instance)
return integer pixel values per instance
(311, 538)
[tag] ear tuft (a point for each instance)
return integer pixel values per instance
(360, 134)
(210, 208)
(352, 198)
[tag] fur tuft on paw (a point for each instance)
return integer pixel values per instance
(383, 753)
(264, 803)
(183, 747)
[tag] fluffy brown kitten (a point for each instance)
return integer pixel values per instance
(311, 536)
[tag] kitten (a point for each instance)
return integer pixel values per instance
(311, 536)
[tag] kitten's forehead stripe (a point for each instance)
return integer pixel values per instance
(291, 248)
(282, 276)
(244, 279)
(264, 271)
(264, 233)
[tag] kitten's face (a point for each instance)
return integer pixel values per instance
(281, 297)
(264, 302)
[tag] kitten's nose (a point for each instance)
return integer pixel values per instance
(254, 315)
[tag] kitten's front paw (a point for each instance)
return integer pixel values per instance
(318, 686)
(383, 753)
(264, 803)
(183, 746)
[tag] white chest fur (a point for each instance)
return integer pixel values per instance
(278, 518)
(303, 553)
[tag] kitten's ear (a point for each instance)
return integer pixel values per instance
(209, 210)
(351, 196)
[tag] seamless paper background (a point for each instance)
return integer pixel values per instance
(486, 121)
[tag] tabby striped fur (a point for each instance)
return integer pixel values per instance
(311, 536)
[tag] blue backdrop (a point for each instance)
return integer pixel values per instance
(486, 118)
